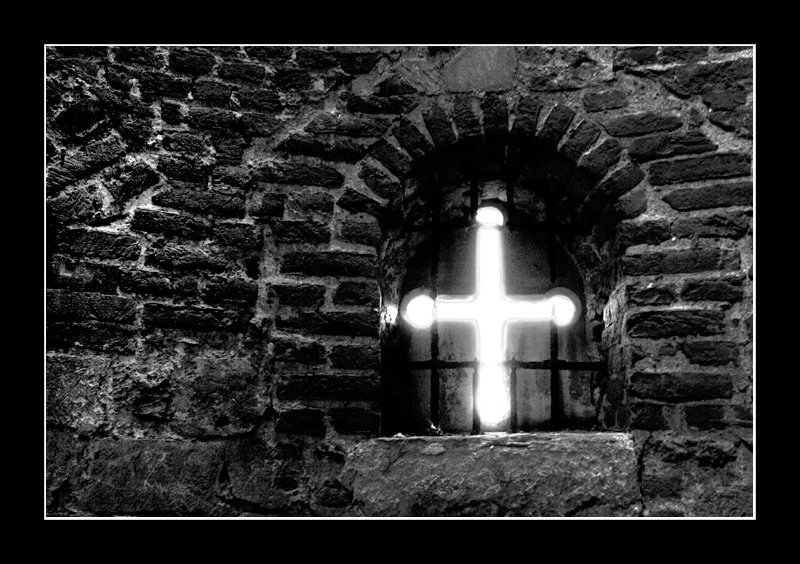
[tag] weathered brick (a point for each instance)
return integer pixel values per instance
(634, 56)
(495, 114)
(229, 148)
(698, 78)
(663, 145)
(181, 257)
(212, 119)
(132, 181)
(74, 396)
(242, 71)
(724, 224)
(165, 223)
(356, 293)
(65, 305)
(465, 116)
(579, 140)
(301, 421)
(212, 93)
(83, 275)
(362, 232)
(330, 263)
(352, 126)
(351, 62)
(171, 112)
(239, 235)
(260, 99)
(642, 233)
(680, 53)
(353, 324)
(601, 158)
(648, 416)
(356, 202)
(705, 416)
(302, 173)
(191, 61)
(273, 204)
(352, 421)
(439, 126)
(556, 123)
(303, 352)
(722, 165)
(146, 282)
(672, 323)
(394, 85)
(184, 167)
(223, 289)
(681, 386)
(411, 138)
(649, 294)
(378, 181)
(303, 295)
(190, 317)
(81, 204)
(296, 231)
(641, 124)
(379, 104)
(727, 99)
(291, 78)
(717, 195)
(218, 202)
(726, 289)
(355, 356)
(393, 158)
(526, 117)
(685, 260)
(147, 56)
(342, 387)
(346, 150)
(258, 124)
(80, 117)
(95, 156)
(269, 53)
(99, 244)
(668, 485)
(94, 335)
(713, 353)
(600, 100)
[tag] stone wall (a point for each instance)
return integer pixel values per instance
(222, 247)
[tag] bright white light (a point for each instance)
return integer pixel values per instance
(390, 314)
(490, 217)
(490, 309)
(418, 311)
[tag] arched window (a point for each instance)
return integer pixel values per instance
(491, 333)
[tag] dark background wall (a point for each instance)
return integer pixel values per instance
(220, 228)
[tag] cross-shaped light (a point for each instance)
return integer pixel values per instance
(489, 309)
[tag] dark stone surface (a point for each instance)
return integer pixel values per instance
(330, 263)
(190, 317)
(362, 232)
(222, 289)
(556, 123)
(393, 158)
(579, 140)
(607, 99)
(378, 181)
(356, 202)
(705, 416)
(411, 138)
(303, 295)
(665, 145)
(355, 421)
(728, 288)
(641, 124)
(733, 225)
(189, 168)
(644, 233)
(356, 293)
(293, 350)
(220, 202)
(355, 356)
(241, 236)
(649, 294)
(343, 124)
(297, 231)
(333, 150)
(301, 421)
(95, 156)
(99, 244)
(165, 223)
(353, 324)
(302, 173)
(526, 117)
(242, 71)
(191, 61)
(713, 196)
(480, 68)
(711, 353)
(65, 305)
(687, 260)
(212, 93)
(181, 257)
(681, 386)
(669, 323)
(348, 387)
(602, 158)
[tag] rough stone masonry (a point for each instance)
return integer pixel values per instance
(221, 228)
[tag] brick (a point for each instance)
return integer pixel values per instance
(664, 145)
(260, 99)
(439, 126)
(83, 275)
(291, 78)
(378, 181)
(171, 112)
(242, 71)
(212, 93)
(258, 124)
(181, 257)
(355, 356)
(303, 295)
(602, 157)
(526, 117)
(394, 85)
(222, 289)
(310, 202)
(273, 205)
(393, 158)
(411, 138)
(625, 57)
(681, 53)
(686, 260)
(465, 116)
(379, 104)
(355, 421)
(330, 263)
(95, 156)
(76, 205)
(303, 352)
(306, 174)
(648, 416)
(356, 202)
(600, 100)
(146, 282)
(681, 386)
(618, 183)
(80, 117)
(641, 124)
(727, 99)
(191, 61)
(662, 486)
(212, 119)
(190, 317)
(147, 56)
(711, 353)
(217, 202)
(295, 231)
(301, 421)
(556, 123)
(269, 54)
(99, 244)
(726, 289)
(345, 150)
(239, 235)
(64, 305)
(94, 335)
(705, 416)
(328, 387)
(642, 233)
(722, 165)
(351, 126)
(74, 396)
(189, 168)
(132, 181)
(724, 224)
(353, 324)
(579, 140)
(326, 59)
(362, 232)
(649, 294)
(698, 78)
(717, 195)
(157, 84)
(495, 114)
(159, 477)
(229, 148)
(357, 293)
(675, 323)
(172, 224)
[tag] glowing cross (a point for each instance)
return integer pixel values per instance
(489, 308)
